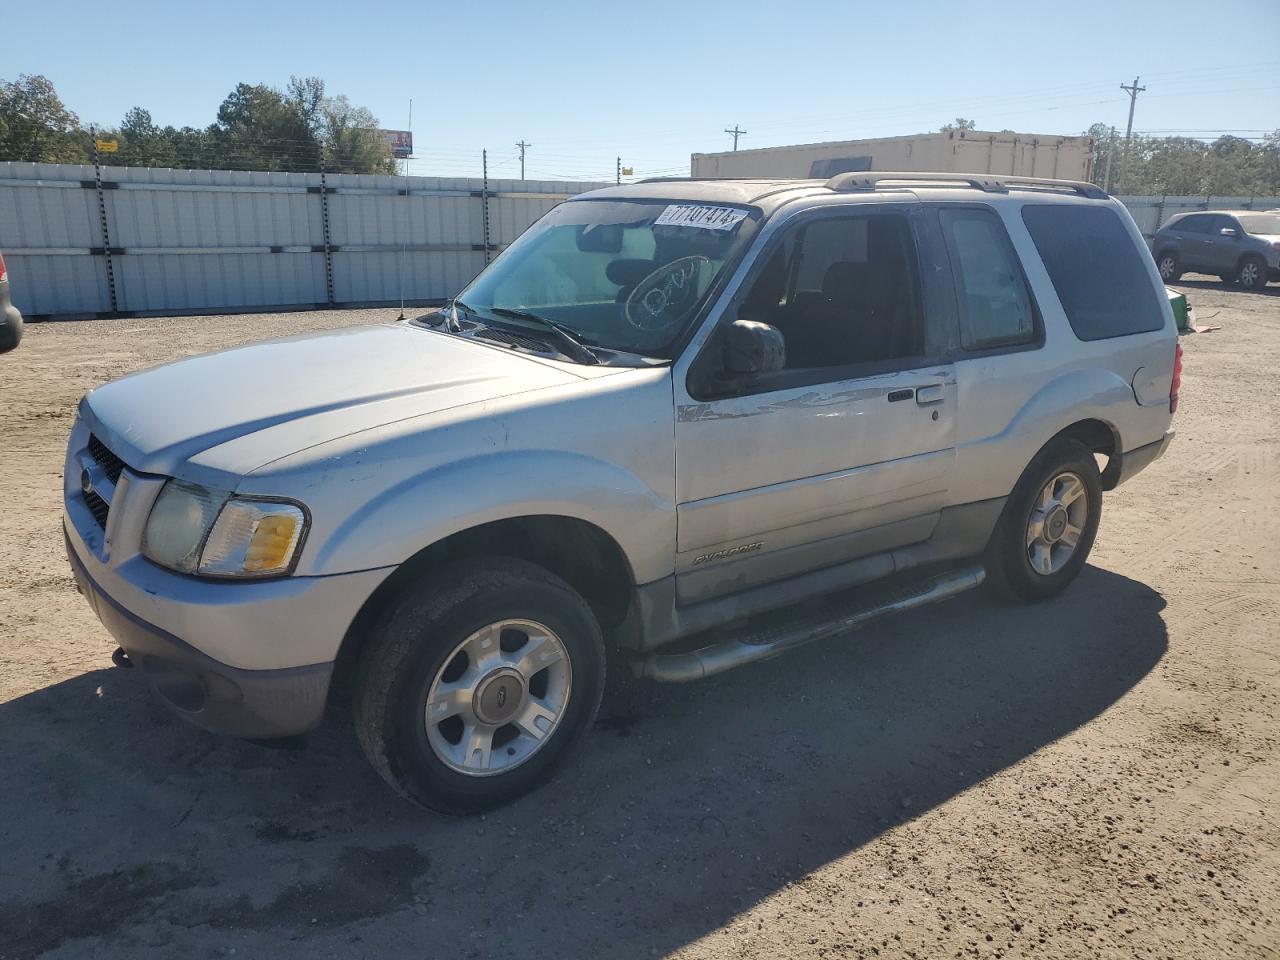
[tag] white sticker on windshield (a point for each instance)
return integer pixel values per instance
(698, 215)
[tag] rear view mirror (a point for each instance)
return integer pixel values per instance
(1229, 232)
(753, 348)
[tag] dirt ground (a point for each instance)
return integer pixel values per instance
(1096, 777)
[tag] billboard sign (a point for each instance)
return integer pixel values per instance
(400, 142)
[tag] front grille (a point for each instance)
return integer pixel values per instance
(108, 461)
(98, 507)
(513, 339)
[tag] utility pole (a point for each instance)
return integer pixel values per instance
(1133, 92)
(1111, 152)
(735, 133)
(521, 145)
(618, 177)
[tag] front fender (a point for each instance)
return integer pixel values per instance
(425, 508)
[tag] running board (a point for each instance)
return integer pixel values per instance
(815, 621)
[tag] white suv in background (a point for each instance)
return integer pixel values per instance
(668, 407)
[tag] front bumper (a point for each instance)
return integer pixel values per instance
(205, 691)
(251, 658)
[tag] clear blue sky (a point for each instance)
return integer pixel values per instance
(653, 80)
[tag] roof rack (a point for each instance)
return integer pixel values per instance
(720, 180)
(870, 181)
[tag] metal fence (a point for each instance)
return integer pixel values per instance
(1150, 213)
(139, 240)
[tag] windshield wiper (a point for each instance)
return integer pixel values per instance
(576, 348)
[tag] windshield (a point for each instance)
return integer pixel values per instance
(1263, 223)
(627, 275)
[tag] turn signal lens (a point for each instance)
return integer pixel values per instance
(1176, 385)
(253, 538)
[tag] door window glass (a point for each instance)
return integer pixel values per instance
(995, 305)
(843, 291)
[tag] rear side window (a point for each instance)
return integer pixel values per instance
(1101, 278)
(995, 306)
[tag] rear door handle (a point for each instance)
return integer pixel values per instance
(934, 393)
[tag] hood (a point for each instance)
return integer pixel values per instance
(234, 411)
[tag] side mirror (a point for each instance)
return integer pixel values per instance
(753, 348)
(1229, 232)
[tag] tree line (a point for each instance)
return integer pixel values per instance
(257, 127)
(1185, 166)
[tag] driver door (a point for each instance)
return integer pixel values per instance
(845, 452)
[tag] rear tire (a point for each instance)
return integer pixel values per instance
(474, 688)
(1048, 525)
(1170, 267)
(1252, 274)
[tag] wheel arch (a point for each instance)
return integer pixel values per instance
(1102, 438)
(581, 553)
(1252, 255)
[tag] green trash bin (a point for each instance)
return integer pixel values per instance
(1181, 309)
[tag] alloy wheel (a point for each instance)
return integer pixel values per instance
(1056, 524)
(498, 698)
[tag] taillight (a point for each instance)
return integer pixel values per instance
(1177, 379)
(3, 274)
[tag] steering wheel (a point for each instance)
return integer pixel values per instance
(666, 296)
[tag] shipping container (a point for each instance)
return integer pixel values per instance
(959, 151)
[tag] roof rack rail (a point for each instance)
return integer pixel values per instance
(870, 181)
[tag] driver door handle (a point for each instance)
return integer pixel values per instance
(933, 393)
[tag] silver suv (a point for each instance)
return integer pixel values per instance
(666, 408)
(1239, 246)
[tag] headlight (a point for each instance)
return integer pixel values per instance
(176, 529)
(193, 529)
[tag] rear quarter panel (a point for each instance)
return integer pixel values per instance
(1010, 405)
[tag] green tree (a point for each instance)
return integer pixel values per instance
(306, 96)
(959, 123)
(259, 129)
(352, 140)
(35, 125)
(142, 143)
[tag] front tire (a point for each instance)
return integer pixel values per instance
(1252, 274)
(1048, 525)
(473, 689)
